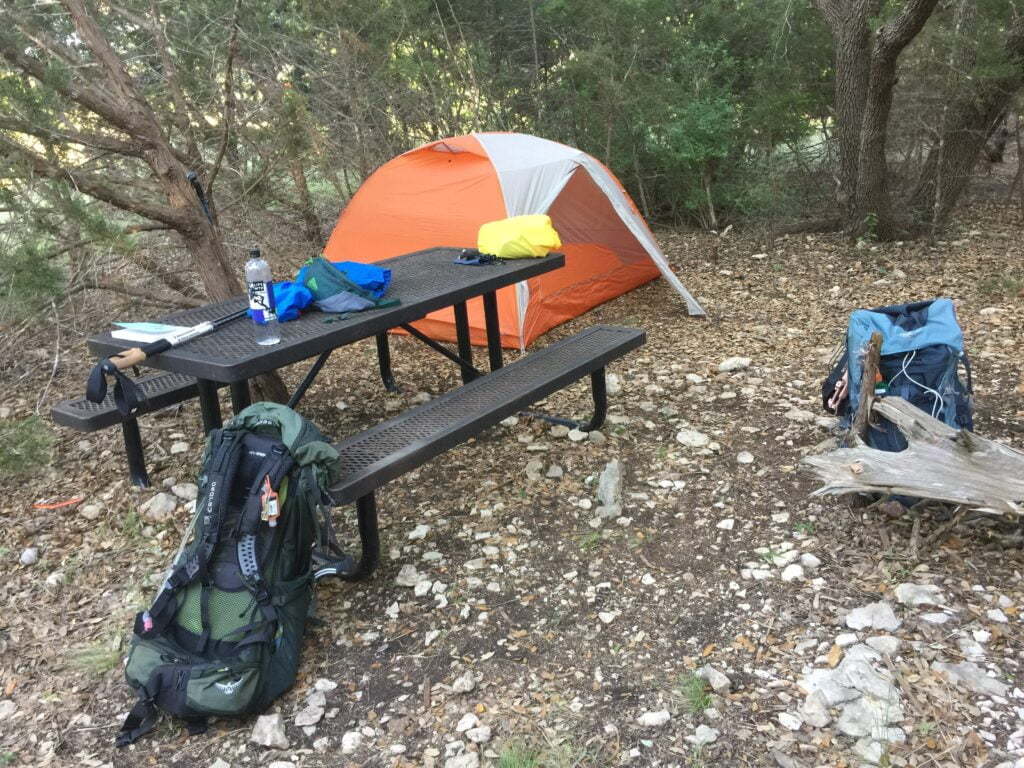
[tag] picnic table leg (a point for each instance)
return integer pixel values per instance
(599, 389)
(241, 397)
(308, 379)
(462, 335)
(209, 405)
(133, 450)
(493, 330)
(384, 362)
(330, 561)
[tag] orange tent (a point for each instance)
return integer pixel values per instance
(440, 193)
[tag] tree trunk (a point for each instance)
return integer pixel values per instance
(852, 40)
(310, 221)
(951, 160)
(865, 75)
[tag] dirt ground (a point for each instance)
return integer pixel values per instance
(570, 628)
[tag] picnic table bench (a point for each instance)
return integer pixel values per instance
(399, 445)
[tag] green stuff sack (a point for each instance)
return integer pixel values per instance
(224, 633)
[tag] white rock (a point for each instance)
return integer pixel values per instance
(648, 580)
(793, 572)
(886, 644)
(422, 588)
(703, 735)
(178, 447)
(733, 364)
(691, 438)
(654, 719)
(91, 511)
(744, 457)
(269, 732)
(220, 763)
(861, 716)
(159, 508)
(408, 576)
(799, 415)
(30, 556)
(464, 683)
(936, 618)
(465, 760)
(350, 742)
(726, 524)
(815, 712)
(324, 685)
(309, 715)
(846, 639)
(419, 532)
(694, 378)
(7, 708)
(281, 764)
(919, 594)
(576, 435)
(790, 721)
(430, 636)
(718, 681)
(596, 436)
(185, 491)
(554, 472)
(479, 735)
(468, 720)
(607, 617)
(809, 561)
(609, 487)
(973, 677)
(510, 421)
(869, 750)
(875, 616)
(997, 616)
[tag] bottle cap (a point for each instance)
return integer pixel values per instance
(254, 251)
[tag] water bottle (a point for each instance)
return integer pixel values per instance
(261, 299)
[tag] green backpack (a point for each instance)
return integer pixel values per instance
(224, 633)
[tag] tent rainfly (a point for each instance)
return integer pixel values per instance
(440, 194)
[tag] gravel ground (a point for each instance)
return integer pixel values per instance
(665, 593)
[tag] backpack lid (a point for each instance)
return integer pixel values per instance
(306, 444)
(904, 328)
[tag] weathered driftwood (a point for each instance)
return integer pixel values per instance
(939, 463)
(862, 416)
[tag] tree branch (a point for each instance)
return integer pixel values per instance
(897, 34)
(90, 98)
(94, 140)
(88, 184)
(138, 291)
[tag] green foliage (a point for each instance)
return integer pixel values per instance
(518, 756)
(693, 693)
(25, 445)
(28, 277)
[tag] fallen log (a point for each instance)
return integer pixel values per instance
(939, 463)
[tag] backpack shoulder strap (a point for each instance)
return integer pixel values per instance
(222, 466)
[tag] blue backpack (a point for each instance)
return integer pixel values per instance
(922, 350)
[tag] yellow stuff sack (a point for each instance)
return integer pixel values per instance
(519, 237)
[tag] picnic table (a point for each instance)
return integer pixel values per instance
(422, 282)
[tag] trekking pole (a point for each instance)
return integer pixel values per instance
(127, 394)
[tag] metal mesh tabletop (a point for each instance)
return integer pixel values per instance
(423, 282)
